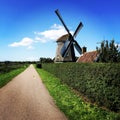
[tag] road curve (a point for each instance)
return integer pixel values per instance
(26, 98)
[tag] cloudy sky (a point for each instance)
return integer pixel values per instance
(29, 28)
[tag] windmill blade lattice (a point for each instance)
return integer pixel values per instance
(64, 47)
(78, 48)
(59, 16)
(78, 29)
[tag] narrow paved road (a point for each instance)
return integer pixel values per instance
(26, 98)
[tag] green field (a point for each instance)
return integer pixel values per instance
(10, 71)
(7, 66)
(71, 104)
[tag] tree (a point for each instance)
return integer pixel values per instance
(46, 60)
(108, 52)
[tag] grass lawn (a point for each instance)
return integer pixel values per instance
(6, 77)
(71, 104)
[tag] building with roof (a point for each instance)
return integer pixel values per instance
(89, 57)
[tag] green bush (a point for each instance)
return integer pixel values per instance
(8, 66)
(71, 103)
(39, 65)
(97, 81)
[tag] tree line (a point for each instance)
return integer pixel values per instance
(108, 52)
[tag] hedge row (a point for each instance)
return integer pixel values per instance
(6, 67)
(97, 81)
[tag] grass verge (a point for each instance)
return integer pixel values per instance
(6, 77)
(71, 104)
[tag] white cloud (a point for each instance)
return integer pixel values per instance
(30, 47)
(24, 42)
(37, 39)
(53, 33)
(56, 26)
(32, 58)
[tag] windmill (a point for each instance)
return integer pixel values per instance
(66, 43)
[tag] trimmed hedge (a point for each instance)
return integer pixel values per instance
(97, 81)
(8, 66)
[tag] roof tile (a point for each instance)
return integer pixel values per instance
(88, 57)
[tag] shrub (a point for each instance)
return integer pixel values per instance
(8, 66)
(39, 65)
(99, 82)
(109, 52)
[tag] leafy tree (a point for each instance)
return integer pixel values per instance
(46, 60)
(108, 52)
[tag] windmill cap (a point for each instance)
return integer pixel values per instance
(63, 38)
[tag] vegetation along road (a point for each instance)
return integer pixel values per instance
(26, 98)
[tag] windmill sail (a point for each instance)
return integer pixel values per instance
(71, 39)
(59, 16)
(78, 48)
(78, 29)
(68, 46)
(64, 47)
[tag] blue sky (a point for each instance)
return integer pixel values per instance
(29, 28)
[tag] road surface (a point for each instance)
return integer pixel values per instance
(26, 98)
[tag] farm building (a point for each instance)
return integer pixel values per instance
(91, 56)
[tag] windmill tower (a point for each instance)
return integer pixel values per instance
(65, 50)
